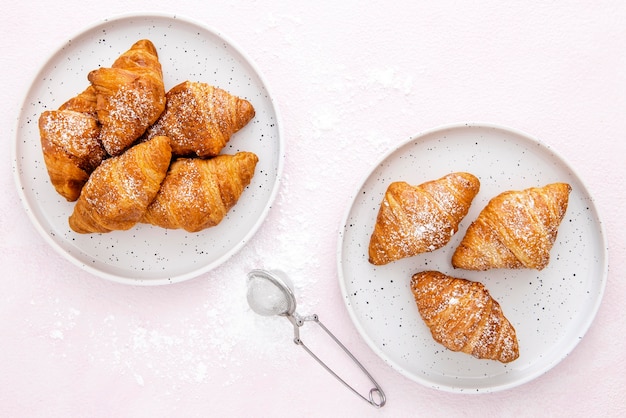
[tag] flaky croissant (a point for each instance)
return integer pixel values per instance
(200, 119)
(197, 193)
(462, 316)
(417, 219)
(516, 229)
(130, 96)
(70, 143)
(84, 102)
(119, 191)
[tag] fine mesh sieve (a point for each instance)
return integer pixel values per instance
(271, 293)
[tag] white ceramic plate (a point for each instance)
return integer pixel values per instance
(150, 255)
(551, 309)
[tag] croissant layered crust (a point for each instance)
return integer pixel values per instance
(462, 316)
(516, 229)
(200, 119)
(84, 102)
(198, 193)
(130, 96)
(118, 192)
(71, 149)
(417, 219)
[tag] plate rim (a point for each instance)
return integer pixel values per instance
(342, 281)
(177, 278)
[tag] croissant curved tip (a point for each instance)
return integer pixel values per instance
(145, 44)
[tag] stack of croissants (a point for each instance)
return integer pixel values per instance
(127, 152)
(515, 230)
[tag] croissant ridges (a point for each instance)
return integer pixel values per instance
(84, 102)
(417, 219)
(118, 192)
(130, 96)
(71, 148)
(463, 316)
(200, 119)
(516, 229)
(198, 193)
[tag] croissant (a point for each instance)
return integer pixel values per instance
(516, 229)
(130, 96)
(200, 119)
(197, 193)
(119, 191)
(84, 102)
(417, 219)
(70, 143)
(462, 316)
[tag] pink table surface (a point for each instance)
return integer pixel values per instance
(352, 80)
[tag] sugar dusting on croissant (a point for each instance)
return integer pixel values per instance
(417, 219)
(70, 141)
(118, 192)
(130, 96)
(516, 229)
(200, 119)
(197, 193)
(462, 316)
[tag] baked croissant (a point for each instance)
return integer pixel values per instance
(70, 143)
(84, 102)
(200, 119)
(516, 229)
(130, 96)
(417, 219)
(197, 193)
(119, 191)
(462, 316)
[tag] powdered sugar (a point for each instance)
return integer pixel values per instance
(200, 118)
(463, 316)
(417, 219)
(76, 134)
(523, 225)
(126, 115)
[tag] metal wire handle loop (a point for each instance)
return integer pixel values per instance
(377, 401)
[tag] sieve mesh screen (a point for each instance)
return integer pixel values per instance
(266, 298)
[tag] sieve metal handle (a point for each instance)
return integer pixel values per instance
(376, 396)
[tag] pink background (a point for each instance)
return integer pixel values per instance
(352, 80)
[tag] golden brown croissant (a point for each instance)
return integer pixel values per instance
(130, 96)
(417, 219)
(70, 144)
(200, 119)
(462, 316)
(516, 229)
(84, 102)
(197, 193)
(119, 191)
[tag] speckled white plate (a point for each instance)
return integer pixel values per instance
(551, 310)
(147, 255)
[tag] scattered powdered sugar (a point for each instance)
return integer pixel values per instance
(417, 219)
(200, 118)
(521, 230)
(126, 116)
(131, 106)
(76, 134)
(151, 336)
(71, 131)
(181, 113)
(463, 316)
